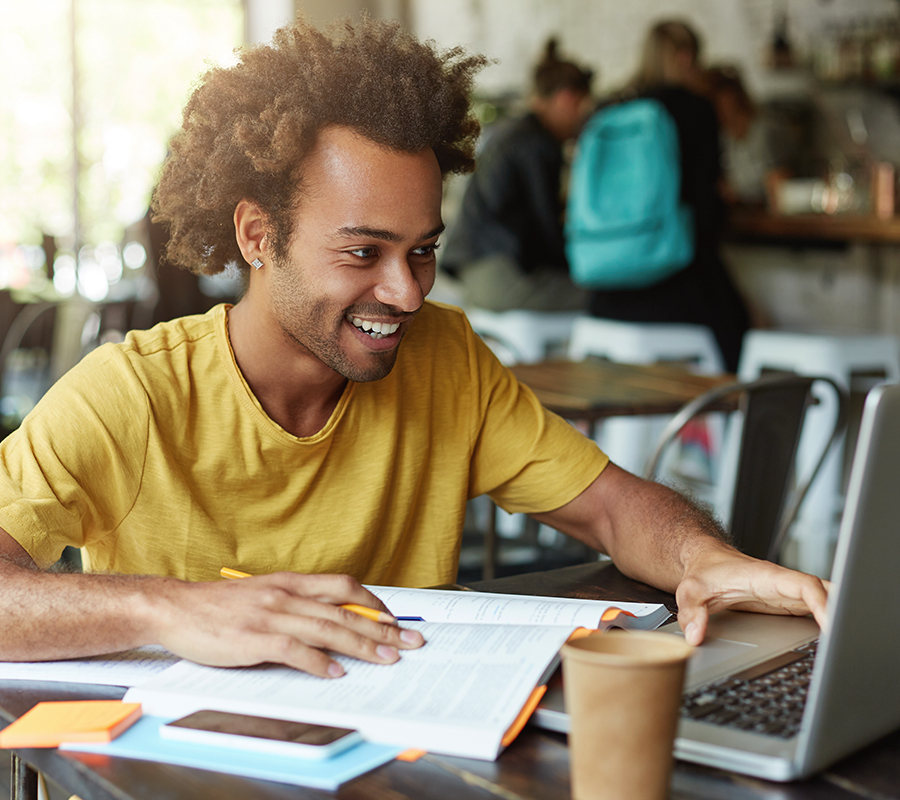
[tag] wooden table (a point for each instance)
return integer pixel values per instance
(534, 767)
(595, 388)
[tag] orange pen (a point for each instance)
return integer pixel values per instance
(363, 611)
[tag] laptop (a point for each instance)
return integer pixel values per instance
(848, 673)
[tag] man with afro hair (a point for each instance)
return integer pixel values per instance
(328, 429)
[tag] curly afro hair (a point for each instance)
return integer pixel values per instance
(247, 128)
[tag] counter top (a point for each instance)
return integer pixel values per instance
(749, 224)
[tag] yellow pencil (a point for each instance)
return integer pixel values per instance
(363, 611)
(369, 613)
(228, 572)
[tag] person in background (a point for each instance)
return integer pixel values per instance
(744, 157)
(507, 245)
(735, 109)
(702, 293)
(753, 165)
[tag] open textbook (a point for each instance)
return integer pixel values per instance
(436, 605)
(462, 694)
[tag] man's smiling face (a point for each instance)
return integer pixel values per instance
(362, 255)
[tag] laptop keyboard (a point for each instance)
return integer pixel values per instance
(767, 699)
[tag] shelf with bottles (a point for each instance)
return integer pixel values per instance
(858, 52)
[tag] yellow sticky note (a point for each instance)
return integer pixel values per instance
(51, 723)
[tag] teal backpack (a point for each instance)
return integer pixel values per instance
(626, 226)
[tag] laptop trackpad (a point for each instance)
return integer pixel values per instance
(715, 658)
(716, 652)
(736, 641)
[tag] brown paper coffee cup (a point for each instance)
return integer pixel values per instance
(623, 693)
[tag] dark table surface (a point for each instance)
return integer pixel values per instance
(535, 766)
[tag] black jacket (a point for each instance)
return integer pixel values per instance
(512, 203)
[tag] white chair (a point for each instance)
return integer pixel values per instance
(645, 343)
(523, 337)
(629, 442)
(845, 359)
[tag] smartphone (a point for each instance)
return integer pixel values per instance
(260, 734)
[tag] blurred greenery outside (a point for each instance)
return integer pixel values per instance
(134, 65)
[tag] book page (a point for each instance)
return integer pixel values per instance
(114, 669)
(435, 605)
(458, 694)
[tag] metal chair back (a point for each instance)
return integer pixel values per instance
(766, 497)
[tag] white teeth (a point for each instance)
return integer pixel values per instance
(377, 330)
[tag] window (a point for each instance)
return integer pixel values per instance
(97, 89)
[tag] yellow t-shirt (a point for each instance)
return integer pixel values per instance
(155, 457)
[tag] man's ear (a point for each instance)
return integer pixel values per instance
(251, 227)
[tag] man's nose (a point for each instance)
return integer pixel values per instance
(400, 286)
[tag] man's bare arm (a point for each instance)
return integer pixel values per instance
(283, 618)
(654, 535)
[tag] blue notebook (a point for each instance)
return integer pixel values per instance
(142, 741)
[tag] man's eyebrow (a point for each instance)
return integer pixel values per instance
(386, 236)
(435, 232)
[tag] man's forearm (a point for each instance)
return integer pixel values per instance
(650, 531)
(48, 616)
(659, 542)
(656, 536)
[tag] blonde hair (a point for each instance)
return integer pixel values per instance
(665, 40)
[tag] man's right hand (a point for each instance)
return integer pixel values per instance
(285, 618)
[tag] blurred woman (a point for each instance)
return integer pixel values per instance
(702, 293)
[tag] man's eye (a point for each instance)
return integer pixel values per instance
(363, 252)
(426, 250)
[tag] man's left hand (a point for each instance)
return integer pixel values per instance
(720, 577)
